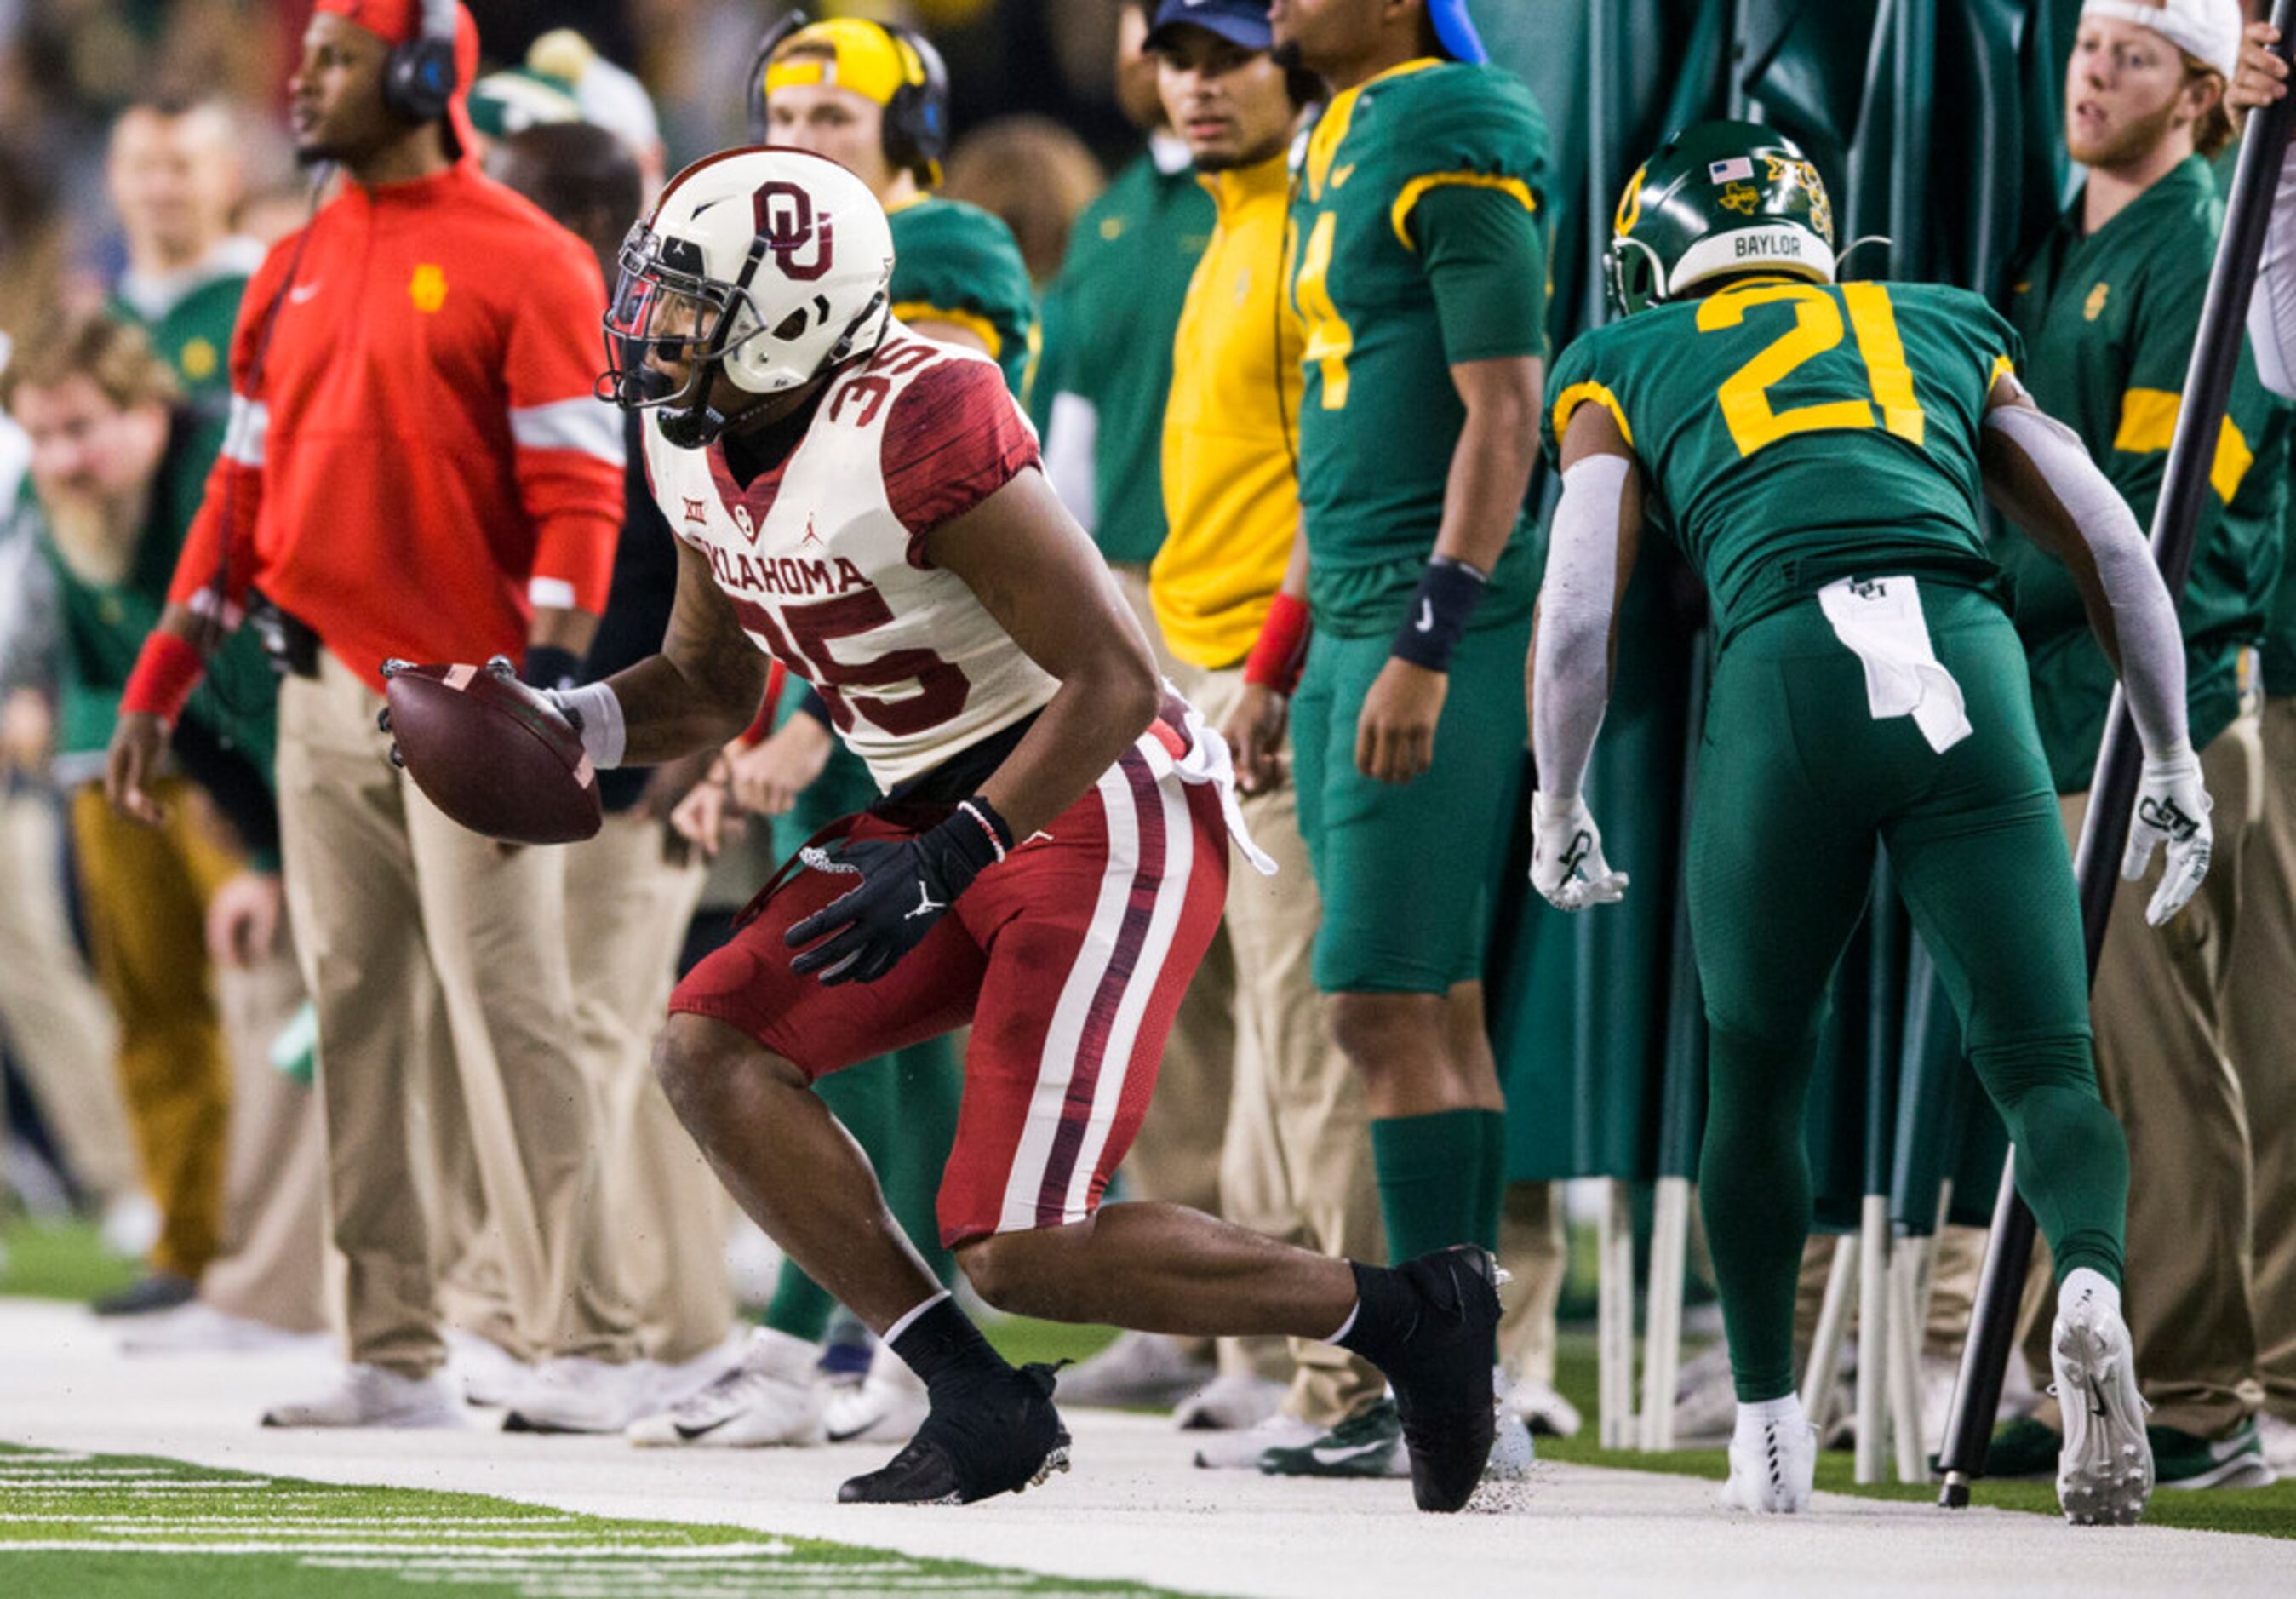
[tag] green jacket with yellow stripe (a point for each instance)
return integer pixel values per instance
(2108, 320)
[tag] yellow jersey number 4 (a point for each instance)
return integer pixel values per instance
(1330, 340)
(1744, 395)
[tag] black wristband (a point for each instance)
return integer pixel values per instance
(548, 665)
(811, 704)
(1448, 592)
(971, 839)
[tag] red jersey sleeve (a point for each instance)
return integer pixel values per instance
(955, 437)
(569, 443)
(204, 579)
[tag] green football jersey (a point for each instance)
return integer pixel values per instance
(1792, 433)
(1418, 243)
(2108, 320)
(189, 319)
(956, 263)
(1107, 327)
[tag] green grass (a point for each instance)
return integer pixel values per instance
(1019, 1339)
(132, 1526)
(60, 1260)
(2267, 1511)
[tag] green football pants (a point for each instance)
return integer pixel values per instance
(1798, 782)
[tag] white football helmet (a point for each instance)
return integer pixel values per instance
(771, 264)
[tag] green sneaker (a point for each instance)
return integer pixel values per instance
(1367, 1445)
(2024, 1447)
(2182, 1460)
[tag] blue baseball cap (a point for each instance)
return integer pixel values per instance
(1455, 30)
(1241, 23)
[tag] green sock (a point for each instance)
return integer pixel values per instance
(1429, 1189)
(1490, 1194)
(929, 1080)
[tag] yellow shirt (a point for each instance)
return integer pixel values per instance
(1231, 492)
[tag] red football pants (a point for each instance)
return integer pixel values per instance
(1069, 958)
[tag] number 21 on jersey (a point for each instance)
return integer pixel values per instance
(1744, 395)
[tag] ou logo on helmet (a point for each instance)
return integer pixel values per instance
(788, 226)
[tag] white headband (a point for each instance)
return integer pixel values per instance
(2209, 29)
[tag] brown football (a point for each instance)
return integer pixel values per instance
(492, 753)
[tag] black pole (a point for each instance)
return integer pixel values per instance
(2104, 832)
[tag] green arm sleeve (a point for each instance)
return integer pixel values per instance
(1485, 257)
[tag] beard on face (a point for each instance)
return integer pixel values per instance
(2127, 143)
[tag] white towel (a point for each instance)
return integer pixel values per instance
(1208, 760)
(1880, 621)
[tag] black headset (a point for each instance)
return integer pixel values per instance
(418, 79)
(917, 118)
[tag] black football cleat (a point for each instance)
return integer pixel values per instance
(999, 1437)
(1441, 1373)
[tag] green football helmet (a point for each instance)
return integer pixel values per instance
(1718, 198)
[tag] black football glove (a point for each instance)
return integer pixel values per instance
(906, 887)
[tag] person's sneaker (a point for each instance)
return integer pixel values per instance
(2184, 1461)
(885, 1407)
(2024, 1447)
(1547, 1413)
(1143, 1371)
(491, 1376)
(373, 1396)
(771, 1396)
(1240, 1451)
(1705, 1399)
(2104, 1473)
(676, 1382)
(2277, 1436)
(1367, 1444)
(1441, 1373)
(1773, 1467)
(994, 1435)
(148, 1295)
(1231, 1402)
(198, 1329)
(574, 1393)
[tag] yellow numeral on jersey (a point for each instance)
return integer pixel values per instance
(1744, 395)
(1330, 340)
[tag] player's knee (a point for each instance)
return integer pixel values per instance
(1000, 1270)
(698, 1061)
(1378, 1030)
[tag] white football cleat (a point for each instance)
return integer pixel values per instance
(1139, 1370)
(1240, 1451)
(489, 1373)
(771, 1396)
(573, 1393)
(1513, 1453)
(2104, 1472)
(1773, 1466)
(886, 1406)
(373, 1396)
(1231, 1402)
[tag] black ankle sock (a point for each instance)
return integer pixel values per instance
(1386, 1311)
(943, 1348)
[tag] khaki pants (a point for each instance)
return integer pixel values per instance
(1534, 1250)
(273, 1268)
(2159, 1005)
(2263, 1024)
(59, 1028)
(146, 893)
(433, 954)
(1295, 1156)
(626, 907)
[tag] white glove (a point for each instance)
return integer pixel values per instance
(2172, 811)
(1566, 855)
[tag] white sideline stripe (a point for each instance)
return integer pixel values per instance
(1164, 922)
(592, 426)
(50, 1485)
(1056, 1066)
(257, 1521)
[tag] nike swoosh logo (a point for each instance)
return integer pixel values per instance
(1327, 1455)
(301, 294)
(690, 1433)
(1426, 622)
(1343, 174)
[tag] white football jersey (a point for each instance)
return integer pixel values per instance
(823, 558)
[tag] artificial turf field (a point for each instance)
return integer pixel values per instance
(156, 1482)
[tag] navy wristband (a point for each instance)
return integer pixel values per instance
(1449, 593)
